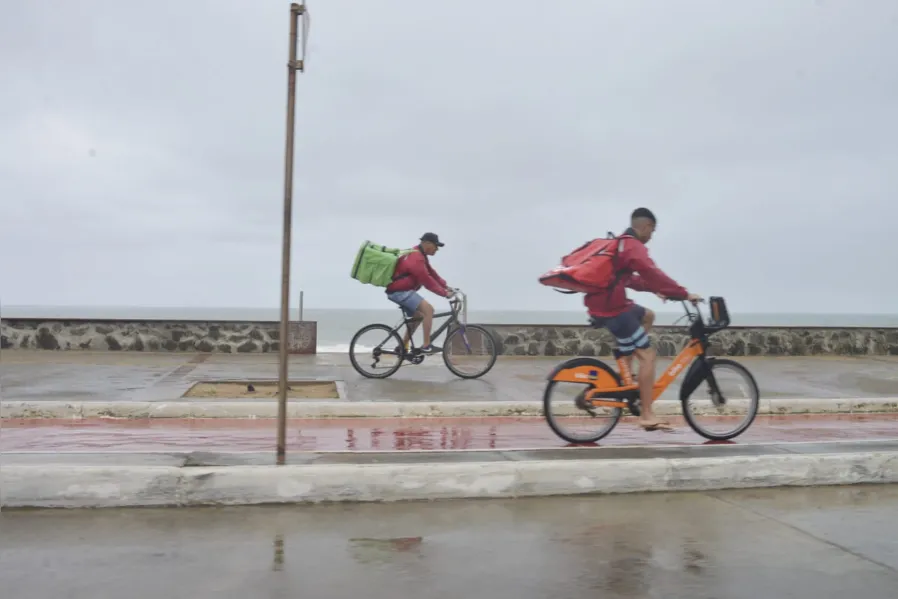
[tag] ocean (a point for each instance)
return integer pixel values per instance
(336, 327)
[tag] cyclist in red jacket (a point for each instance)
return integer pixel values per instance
(414, 271)
(629, 322)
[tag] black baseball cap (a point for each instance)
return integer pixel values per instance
(432, 238)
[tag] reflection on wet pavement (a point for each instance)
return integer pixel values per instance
(400, 434)
(821, 543)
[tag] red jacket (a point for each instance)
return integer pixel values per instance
(414, 271)
(634, 258)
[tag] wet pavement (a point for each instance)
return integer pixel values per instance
(117, 376)
(403, 434)
(822, 543)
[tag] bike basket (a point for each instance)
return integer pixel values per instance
(720, 316)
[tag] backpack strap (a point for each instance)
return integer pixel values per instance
(618, 272)
(402, 255)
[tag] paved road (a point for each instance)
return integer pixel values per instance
(111, 376)
(398, 434)
(821, 543)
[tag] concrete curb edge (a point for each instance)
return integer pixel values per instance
(64, 485)
(391, 409)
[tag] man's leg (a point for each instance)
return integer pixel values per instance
(425, 310)
(422, 312)
(409, 302)
(647, 318)
(411, 327)
(423, 315)
(646, 380)
(631, 329)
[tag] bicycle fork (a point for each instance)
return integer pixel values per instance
(717, 397)
(464, 337)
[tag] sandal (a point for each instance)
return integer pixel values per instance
(658, 426)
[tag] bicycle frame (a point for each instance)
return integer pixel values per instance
(456, 308)
(606, 392)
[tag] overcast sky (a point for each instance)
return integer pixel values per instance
(141, 147)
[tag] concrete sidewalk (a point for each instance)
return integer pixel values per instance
(33, 376)
(195, 462)
(501, 458)
(61, 480)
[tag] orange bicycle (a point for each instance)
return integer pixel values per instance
(601, 394)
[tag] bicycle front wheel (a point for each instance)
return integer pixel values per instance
(376, 351)
(470, 351)
(725, 403)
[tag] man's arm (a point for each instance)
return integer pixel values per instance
(651, 278)
(635, 282)
(418, 267)
(436, 276)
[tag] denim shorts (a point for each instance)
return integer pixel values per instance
(407, 300)
(627, 329)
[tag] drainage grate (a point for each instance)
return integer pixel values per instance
(183, 370)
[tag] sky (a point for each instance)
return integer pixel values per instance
(142, 147)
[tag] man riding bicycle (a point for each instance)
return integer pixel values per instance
(414, 271)
(629, 322)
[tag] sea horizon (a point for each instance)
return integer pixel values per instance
(336, 326)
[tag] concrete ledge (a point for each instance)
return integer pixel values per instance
(394, 409)
(68, 485)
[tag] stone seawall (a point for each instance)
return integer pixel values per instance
(149, 335)
(513, 340)
(550, 340)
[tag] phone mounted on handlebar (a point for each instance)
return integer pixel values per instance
(718, 317)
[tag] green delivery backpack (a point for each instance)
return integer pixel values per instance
(375, 264)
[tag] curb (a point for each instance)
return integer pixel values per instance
(65, 485)
(395, 409)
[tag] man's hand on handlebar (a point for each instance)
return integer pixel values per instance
(692, 298)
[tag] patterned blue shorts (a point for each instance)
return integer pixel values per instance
(627, 329)
(407, 300)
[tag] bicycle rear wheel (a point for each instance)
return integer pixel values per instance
(376, 344)
(571, 419)
(725, 403)
(470, 351)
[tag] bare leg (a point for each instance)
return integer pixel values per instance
(646, 378)
(648, 320)
(426, 310)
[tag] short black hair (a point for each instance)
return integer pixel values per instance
(643, 213)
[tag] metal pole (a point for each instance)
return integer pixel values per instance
(300, 306)
(292, 66)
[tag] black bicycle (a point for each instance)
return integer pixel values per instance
(469, 350)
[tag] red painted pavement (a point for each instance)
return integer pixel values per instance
(359, 434)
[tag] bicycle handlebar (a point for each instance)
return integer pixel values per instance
(459, 303)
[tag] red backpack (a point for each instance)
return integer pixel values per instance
(590, 268)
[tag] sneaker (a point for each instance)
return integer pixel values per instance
(430, 349)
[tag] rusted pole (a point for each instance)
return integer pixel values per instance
(292, 66)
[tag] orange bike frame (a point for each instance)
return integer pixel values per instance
(605, 383)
